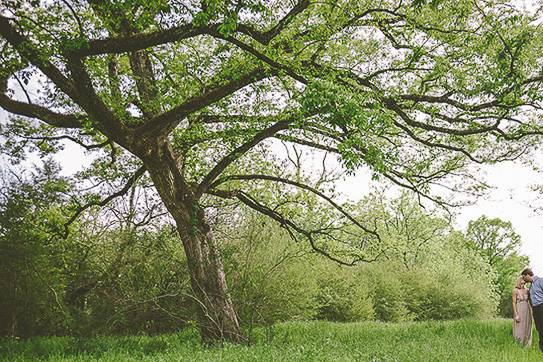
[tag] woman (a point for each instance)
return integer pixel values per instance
(522, 314)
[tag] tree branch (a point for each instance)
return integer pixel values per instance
(300, 141)
(238, 152)
(108, 122)
(267, 36)
(164, 123)
(38, 112)
(28, 50)
(289, 225)
(299, 185)
(130, 182)
(135, 42)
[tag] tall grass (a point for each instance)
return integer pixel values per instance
(464, 340)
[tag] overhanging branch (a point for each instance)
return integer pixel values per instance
(34, 111)
(238, 152)
(291, 227)
(298, 185)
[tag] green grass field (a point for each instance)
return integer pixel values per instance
(463, 340)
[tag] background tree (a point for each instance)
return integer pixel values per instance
(194, 93)
(405, 227)
(30, 268)
(498, 243)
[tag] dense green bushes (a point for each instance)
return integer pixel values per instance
(442, 284)
(100, 279)
(109, 277)
(131, 282)
(31, 280)
(267, 274)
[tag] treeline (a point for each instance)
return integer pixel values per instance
(115, 273)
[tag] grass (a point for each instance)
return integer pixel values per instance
(464, 340)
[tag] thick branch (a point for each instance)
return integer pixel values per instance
(27, 50)
(444, 99)
(35, 111)
(79, 89)
(95, 107)
(238, 152)
(164, 123)
(135, 42)
(142, 68)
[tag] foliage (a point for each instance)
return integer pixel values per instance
(122, 279)
(194, 92)
(31, 276)
(264, 267)
(97, 280)
(411, 92)
(494, 238)
(344, 295)
(129, 282)
(498, 243)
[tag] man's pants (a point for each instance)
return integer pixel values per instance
(538, 318)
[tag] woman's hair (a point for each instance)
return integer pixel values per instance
(519, 283)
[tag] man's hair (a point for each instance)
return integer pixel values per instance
(527, 271)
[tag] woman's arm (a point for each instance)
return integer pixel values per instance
(515, 315)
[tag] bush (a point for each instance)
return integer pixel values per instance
(270, 276)
(32, 284)
(342, 295)
(132, 282)
(120, 280)
(387, 293)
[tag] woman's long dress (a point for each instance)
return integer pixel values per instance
(522, 331)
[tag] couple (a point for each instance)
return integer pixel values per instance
(528, 302)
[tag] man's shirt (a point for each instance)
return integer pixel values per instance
(536, 291)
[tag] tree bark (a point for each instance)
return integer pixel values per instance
(216, 316)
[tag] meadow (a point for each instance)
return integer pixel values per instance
(462, 340)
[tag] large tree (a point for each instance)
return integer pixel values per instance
(196, 92)
(499, 244)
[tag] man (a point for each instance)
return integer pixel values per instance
(536, 299)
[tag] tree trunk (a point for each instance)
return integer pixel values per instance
(216, 317)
